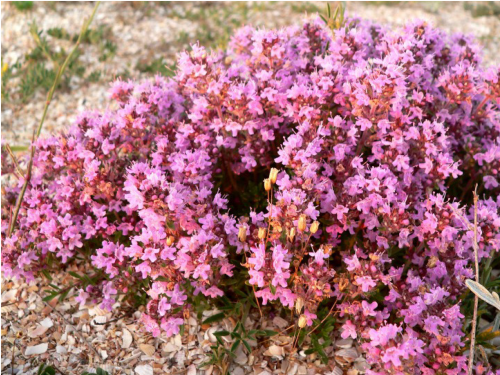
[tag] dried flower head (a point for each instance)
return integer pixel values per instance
(267, 184)
(273, 175)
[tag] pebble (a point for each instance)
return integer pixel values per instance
(280, 322)
(191, 370)
(144, 370)
(126, 339)
(241, 357)
(36, 349)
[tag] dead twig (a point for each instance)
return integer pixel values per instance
(60, 72)
(112, 320)
(476, 299)
(14, 160)
(475, 247)
(325, 318)
(13, 351)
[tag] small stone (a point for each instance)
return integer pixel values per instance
(292, 369)
(275, 351)
(144, 370)
(61, 349)
(47, 322)
(37, 349)
(147, 349)
(241, 357)
(280, 322)
(38, 331)
(9, 295)
(126, 339)
(344, 344)
(170, 348)
(191, 370)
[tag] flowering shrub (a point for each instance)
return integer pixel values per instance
(376, 137)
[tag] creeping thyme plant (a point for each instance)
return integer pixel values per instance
(322, 167)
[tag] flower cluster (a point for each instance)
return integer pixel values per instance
(377, 137)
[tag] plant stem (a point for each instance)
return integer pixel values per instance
(60, 72)
(325, 318)
(476, 299)
(14, 160)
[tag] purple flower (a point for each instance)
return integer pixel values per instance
(366, 283)
(349, 330)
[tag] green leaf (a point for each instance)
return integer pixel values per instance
(46, 370)
(267, 333)
(50, 297)
(247, 346)
(47, 275)
(235, 345)
(74, 274)
(483, 293)
(273, 289)
(221, 333)
(63, 295)
(214, 318)
(23, 5)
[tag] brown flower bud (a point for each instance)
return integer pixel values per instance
(267, 184)
(343, 283)
(299, 304)
(242, 234)
(327, 249)
(262, 233)
(302, 224)
(170, 240)
(291, 234)
(432, 261)
(273, 175)
(302, 321)
(314, 227)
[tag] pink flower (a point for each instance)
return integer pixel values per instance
(259, 257)
(349, 330)
(150, 325)
(177, 296)
(319, 256)
(150, 254)
(369, 308)
(171, 326)
(202, 271)
(340, 210)
(384, 334)
(213, 292)
(366, 283)
(82, 297)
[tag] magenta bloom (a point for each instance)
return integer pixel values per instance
(319, 166)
